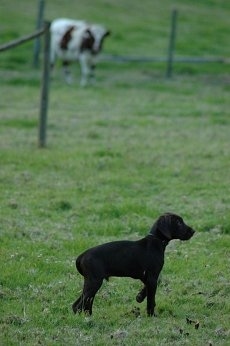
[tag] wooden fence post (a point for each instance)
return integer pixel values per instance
(44, 88)
(41, 6)
(172, 39)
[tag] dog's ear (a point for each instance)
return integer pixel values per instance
(164, 225)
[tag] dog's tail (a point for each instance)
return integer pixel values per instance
(78, 265)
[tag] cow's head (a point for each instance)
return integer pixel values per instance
(99, 33)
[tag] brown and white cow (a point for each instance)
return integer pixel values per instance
(76, 40)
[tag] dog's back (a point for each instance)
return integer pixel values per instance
(122, 258)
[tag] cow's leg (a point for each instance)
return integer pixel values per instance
(85, 301)
(53, 52)
(52, 61)
(92, 65)
(92, 73)
(86, 68)
(52, 69)
(66, 71)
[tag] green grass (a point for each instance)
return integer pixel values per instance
(118, 154)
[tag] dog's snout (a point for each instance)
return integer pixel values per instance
(190, 232)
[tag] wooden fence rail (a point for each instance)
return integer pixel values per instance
(21, 40)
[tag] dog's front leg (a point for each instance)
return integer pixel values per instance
(151, 287)
(141, 295)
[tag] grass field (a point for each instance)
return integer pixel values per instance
(118, 154)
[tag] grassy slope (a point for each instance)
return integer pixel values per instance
(118, 155)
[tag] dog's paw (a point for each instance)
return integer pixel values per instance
(140, 298)
(76, 309)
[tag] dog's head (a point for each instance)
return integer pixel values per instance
(172, 226)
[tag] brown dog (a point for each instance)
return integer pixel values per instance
(142, 259)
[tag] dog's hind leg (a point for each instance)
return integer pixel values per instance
(77, 305)
(91, 286)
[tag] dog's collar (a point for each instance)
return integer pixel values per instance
(164, 241)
